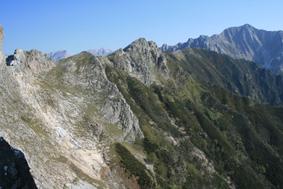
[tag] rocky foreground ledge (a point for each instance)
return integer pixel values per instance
(14, 170)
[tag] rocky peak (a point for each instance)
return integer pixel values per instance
(142, 47)
(142, 59)
(245, 27)
(140, 43)
(33, 60)
(243, 42)
(246, 32)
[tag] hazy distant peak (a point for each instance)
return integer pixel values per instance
(58, 55)
(100, 52)
(242, 42)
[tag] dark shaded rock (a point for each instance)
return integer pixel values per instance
(14, 169)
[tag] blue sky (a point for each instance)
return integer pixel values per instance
(76, 25)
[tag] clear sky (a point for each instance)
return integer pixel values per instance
(76, 25)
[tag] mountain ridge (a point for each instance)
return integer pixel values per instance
(246, 42)
(144, 119)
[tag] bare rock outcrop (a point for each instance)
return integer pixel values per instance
(141, 59)
(30, 61)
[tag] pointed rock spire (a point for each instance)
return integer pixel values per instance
(142, 59)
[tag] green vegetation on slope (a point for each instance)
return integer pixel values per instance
(237, 76)
(172, 166)
(134, 166)
(207, 103)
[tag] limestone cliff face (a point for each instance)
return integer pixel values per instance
(87, 72)
(141, 59)
(64, 117)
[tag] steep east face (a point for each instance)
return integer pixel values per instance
(244, 42)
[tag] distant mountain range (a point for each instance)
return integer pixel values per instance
(100, 52)
(244, 42)
(59, 55)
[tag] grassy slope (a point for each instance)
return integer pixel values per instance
(238, 76)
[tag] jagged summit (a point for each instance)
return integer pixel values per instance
(33, 60)
(140, 42)
(244, 26)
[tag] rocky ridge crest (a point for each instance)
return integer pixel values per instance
(141, 59)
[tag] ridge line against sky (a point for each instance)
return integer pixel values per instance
(76, 25)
